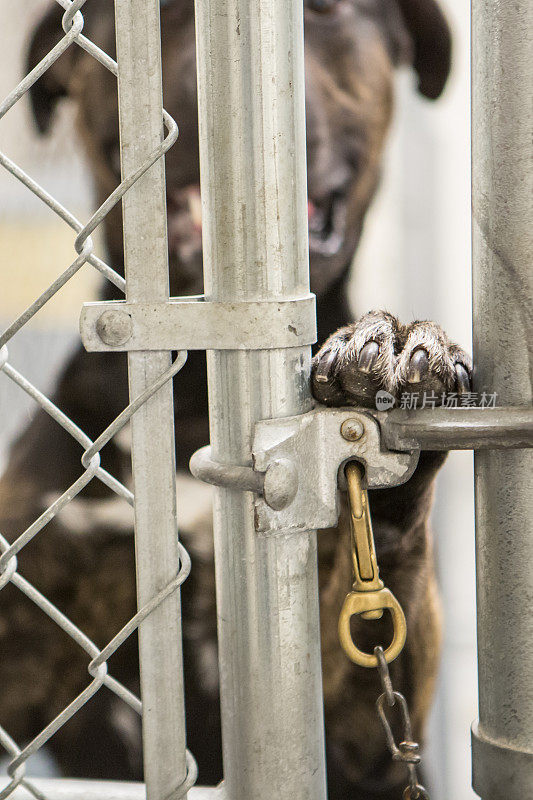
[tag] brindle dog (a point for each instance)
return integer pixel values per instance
(82, 560)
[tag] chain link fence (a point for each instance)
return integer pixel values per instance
(262, 755)
(92, 470)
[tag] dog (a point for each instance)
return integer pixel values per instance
(83, 561)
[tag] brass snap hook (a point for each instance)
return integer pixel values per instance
(368, 597)
(362, 603)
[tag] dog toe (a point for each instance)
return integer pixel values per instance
(356, 362)
(378, 353)
(430, 367)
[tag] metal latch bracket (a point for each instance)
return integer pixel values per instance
(297, 462)
(297, 467)
(318, 444)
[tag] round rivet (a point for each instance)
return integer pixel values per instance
(114, 327)
(352, 430)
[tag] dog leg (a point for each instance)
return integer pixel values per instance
(379, 353)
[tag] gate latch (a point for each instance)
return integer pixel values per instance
(298, 462)
(298, 466)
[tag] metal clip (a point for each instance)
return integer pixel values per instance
(364, 562)
(368, 597)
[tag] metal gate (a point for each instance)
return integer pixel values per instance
(256, 323)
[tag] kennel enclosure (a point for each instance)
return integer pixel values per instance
(257, 323)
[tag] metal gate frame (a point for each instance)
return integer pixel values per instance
(502, 188)
(252, 138)
(282, 609)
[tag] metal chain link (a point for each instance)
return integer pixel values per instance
(407, 751)
(90, 459)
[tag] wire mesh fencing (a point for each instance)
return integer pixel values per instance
(92, 469)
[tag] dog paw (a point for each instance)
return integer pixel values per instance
(379, 353)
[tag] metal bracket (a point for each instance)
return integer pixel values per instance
(318, 444)
(297, 467)
(193, 323)
(297, 461)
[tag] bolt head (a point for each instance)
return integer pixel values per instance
(352, 430)
(114, 327)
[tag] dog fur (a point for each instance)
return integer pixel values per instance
(83, 561)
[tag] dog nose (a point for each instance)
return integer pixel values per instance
(329, 171)
(332, 177)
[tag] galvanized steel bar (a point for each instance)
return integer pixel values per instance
(252, 143)
(457, 428)
(146, 268)
(502, 77)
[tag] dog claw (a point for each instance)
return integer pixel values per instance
(418, 366)
(367, 357)
(325, 365)
(462, 378)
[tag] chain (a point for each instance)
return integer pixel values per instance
(368, 599)
(408, 750)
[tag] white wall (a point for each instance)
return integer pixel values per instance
(53, 160)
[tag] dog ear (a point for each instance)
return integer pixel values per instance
(431, 43)
(53, 85)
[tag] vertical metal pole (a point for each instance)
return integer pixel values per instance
(146, 265)
(502, 77)
(253, 170)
